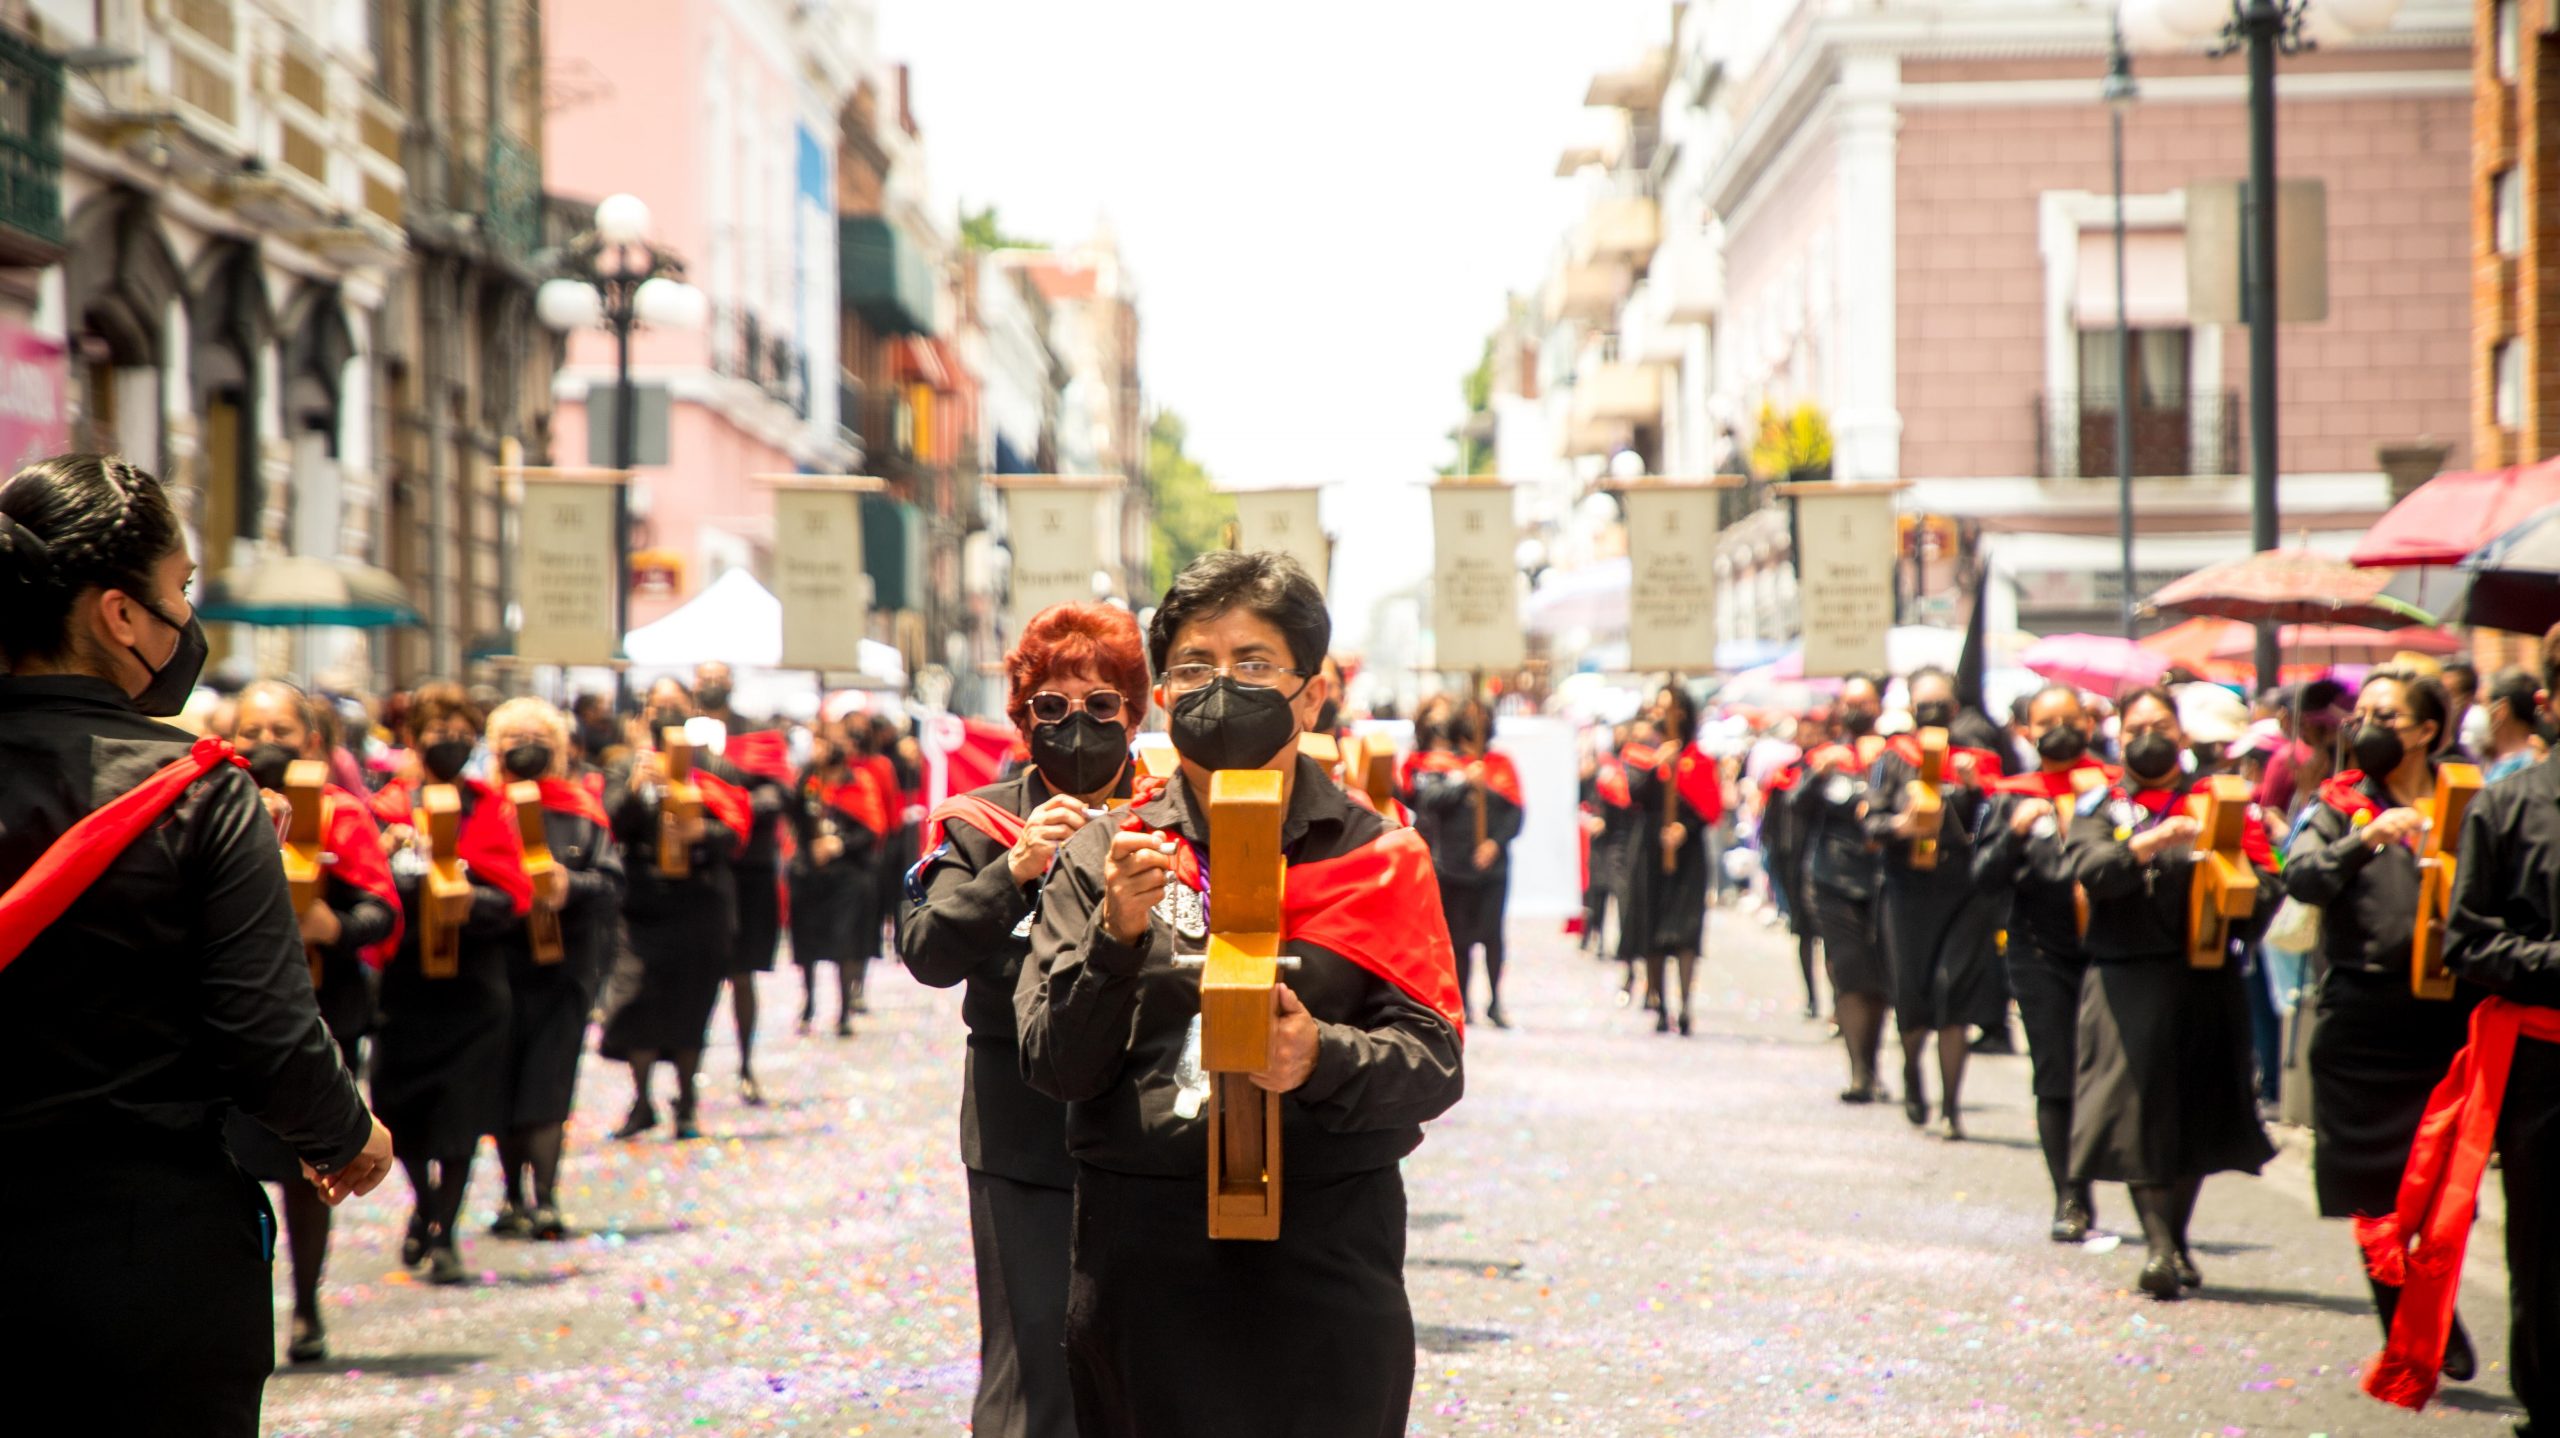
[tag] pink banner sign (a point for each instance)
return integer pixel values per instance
(32, 377)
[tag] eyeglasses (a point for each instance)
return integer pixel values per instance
(1048, 706)
(2387, 718)
(1252, 673)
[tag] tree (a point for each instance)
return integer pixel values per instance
(1475, 455)
(1191, 516)
(981, 231)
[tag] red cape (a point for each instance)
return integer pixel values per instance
(1784, 778)
(351, 848)
(1377, 906)
(2253, 831)
(1002, 825)
(72, 862)
(563, 796)
(493, 847)
(765, 753)
(727, 802)
(2056, 785)
(1698, 784)
(392, 803)
(1497, 773)
(859, 799)
(2343, 792)
(1609, 782)
(1986, 765)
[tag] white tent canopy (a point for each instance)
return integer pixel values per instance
(738, 621)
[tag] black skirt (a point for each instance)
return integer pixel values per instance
(2163, 1090)
(1171, 1334)
(1938, 946)
(2048, 988)
(2377, 1052)
(1663, 913)
(666, 981)
(1473, 912)
(1850, 952)
(547, 1035)
(830, 908)
(759, 921)
(440, 1059)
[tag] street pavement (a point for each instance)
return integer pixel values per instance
(1616, 1233)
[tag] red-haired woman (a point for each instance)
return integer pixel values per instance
(1078, 689)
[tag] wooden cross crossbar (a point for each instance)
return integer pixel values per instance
(1239, 979)
(306, 836)
(542, 925)
(444, 893)
(1928, 798)
(2223, 886)
(678, 803)
(2456, 784)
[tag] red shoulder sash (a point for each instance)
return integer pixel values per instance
(68, 866)
(351, 847)
(493, 847)
(997, 823)
(562, 796)
(859, 799)
(764, 753)
(2039, 783)
(1497, 773)
(727, 802)
(2344, 792)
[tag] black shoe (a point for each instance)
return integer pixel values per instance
(1916, 1109)
(1994, 1041)
(1951, 1128)
(444, 1265)
(2461, 1364)
(861, 1004)
(1684, 1023)
(2188, 1275)
(310, 1344)
(1861, 1094)
(686, 1128)
(750, 1092)
(2070, 1221)
(1493, 1015)
(807, 1018)
(2160, 1280)
(413, 1247)
(844, 1026)
(511, 1223)
(642, 1118)
(548, 1227)
(1662, 1021)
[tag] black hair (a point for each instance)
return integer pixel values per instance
(2422, 696)
(1684, 719)
(1929, 671)
(2318, 694)
(2024, 705)
(70, 524)
(1263, 583)
(2056, 687)
(2517, 689)
(2131, 697)
(1860, 676)
(2464, 667)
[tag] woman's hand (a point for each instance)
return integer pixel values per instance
(362, 1173)
(1487, 852)
(320, 924)
(2176, 829)
(1049, 826)
(1293, 1044)
(2029, 814)
(1673, 836)
(827, 849)
(1134, 874)
(2394, 826)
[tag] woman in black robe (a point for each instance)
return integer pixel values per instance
(547, 1033)
(2163, 1095)
(678, 929)
(440, 1058)
(838, 815)
(1675, 796)
(2377, 1049)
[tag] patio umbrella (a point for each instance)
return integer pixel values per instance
(1906, 647)
(2101, 663)
(2190, 644)
(2341, 644)
(308, 592)
(2515, 578)
(2448, 518)
(2289, 586)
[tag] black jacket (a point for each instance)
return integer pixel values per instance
(177, 985)
(1105, 1024)
(2504, 931)
(2137, 910)
(2368, 900)
(1839, 857)
(1445, 805)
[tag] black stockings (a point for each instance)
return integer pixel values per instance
(1861, 1019)
(1656, 970)
(742, 1011)
(438, 1184)
(1952, 1053)
(1492, 974)
(306, 1226)
(685, 1062)
(1804, 962)
(532, 1153)
(848, 987)
(2165, 1209)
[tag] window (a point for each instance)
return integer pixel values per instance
(2507, 360)
(2508, 40)
(2506, 200)
(2159, 418)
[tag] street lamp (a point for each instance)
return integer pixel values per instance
(612, 278)
(2264, 28)
(2119, 93)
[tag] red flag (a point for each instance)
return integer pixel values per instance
(351, 848)
(71, 863)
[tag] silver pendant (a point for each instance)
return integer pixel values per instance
(1181, 908)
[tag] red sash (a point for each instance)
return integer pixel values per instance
(1609, 782)
(1001, 825)
(493, 847)
(2051, 784)
(727, 802)
(352, 848)
(562, 796)
(1784, 778)
(764, 753)
(859, 799)
(67, 867)
(2344, 792)
(2156, 802)
(2419, 1244)
(1986, 765)
(1377, 906)
(392, 802)
(1427, 761)
(1497, 773)
(1697, 783)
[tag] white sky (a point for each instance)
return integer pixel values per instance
(1323, 204)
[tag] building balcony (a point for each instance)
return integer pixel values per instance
(30, 153)
(1622, 227)
(2076, 435)
(885, 277)
(1612, 399)
(1588, 290)
(1638, 86)
(1647, 334)
(1687, 274)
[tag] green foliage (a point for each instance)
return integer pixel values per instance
(1792, 443)
(981, 231)
(1191, 516)
(1475, 456)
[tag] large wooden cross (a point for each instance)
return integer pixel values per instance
(444, 893)
(542, 925)
(1239, 1002)
(306, 836)
(2455, 786)
(2223, 886)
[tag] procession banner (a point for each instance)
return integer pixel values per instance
(817, 574)
(1475, 586)
(1671, 595)
(565, 568)
(1285, 520)
(1052, 530)
(1844, 573)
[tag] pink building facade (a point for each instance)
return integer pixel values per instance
(721, 115)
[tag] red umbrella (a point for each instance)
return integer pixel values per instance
(2340, 643)
(2290, 586)
(2100, 663)
(2450, 516)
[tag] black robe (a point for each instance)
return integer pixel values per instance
(548, 1025)
(666, 980)
(1937, 924)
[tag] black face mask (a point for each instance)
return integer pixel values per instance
(1080, 754)
(527, 761)
(267, 763)
(1857, 723)
(2378, 750)
(2151, 757)
(2062, 744)
(173, 678)
(1933, 714)
(1329, 718)
(712, 696)
(1226, 725)
(445, 757)
(596, 738)
(662, 720)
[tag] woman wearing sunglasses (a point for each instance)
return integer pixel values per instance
(1078, 689)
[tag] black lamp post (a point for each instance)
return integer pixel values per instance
(612, 278)
(2119, 94)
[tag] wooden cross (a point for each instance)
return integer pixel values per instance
(542, 925)
(1239, 1001)
(2455, 786)
(679, 803)
(2223, 886)
(1928, 799)
(444, 894)
(306, 836)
